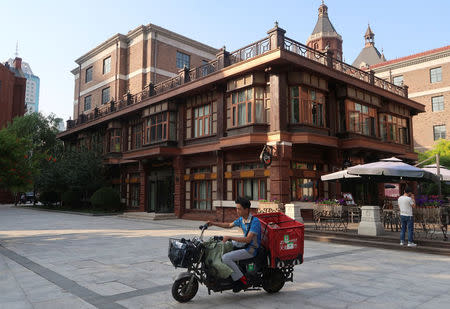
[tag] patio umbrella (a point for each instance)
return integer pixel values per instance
(432, 168)
(391, 168)
(338, 175)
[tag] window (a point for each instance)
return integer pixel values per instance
(307, 106)
(183, 60)
(115, 140)
(246, 166)
(307, 166)
(88, 76)
(394, 129)
(247, 106)
(304, 189)
(361, 119)
(105, 95)
(439, 132)
(106, 65)
(437, 103)
(253, 189)
(87, 103)
(160, 127)
(202, 195)
(398, 80)
(136, 137)
(202, 120)
(436, 75)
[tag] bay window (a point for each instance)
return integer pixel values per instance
(394, 129)
(361, 119)
(202, 120)
(307, 106)
(247, 106)
(115, 140)
(160, 127)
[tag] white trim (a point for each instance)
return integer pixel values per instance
(384, 72)
(128, 76)
(428, 92)
(185, 47)
(101, 84)
(103, 54)
(232, 204)
(77, 76)
(75, 102)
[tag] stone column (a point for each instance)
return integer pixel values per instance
(143, 187)
(294, 212)
(370, 224)
(223, 58)
(276, 36)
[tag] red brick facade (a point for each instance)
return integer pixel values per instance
(12, 93)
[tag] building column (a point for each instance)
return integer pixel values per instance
(280, 172)
(143, 187)
(278, 101)
(179, 193)
(221, 183)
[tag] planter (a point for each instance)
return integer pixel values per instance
(267, 207)
(329, 210)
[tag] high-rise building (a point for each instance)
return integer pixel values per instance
(33, 85)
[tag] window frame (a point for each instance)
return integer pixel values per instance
(358, 110)
(243, 106)
(303, 101)
(440, 133)
(104, 65)
(440, 104)
(115, 140)
(181, 60)
(196, 199)
(199, 122)
(436, 77)
(103, 95)
(393, 130)
(166, 121)
(88, 73)
(137, 136)
(239, 189)
(85, 102)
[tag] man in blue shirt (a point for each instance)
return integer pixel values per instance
(251, 227)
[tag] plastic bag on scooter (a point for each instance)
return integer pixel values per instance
(213, 259)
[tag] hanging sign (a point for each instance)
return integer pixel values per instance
(266, 156)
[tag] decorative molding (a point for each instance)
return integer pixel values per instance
(428, 92)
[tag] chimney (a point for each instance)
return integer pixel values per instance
(18, 63)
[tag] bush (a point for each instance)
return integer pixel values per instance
(71, 199)
(107, 199)
(48, 197)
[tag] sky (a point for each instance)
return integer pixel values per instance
(52, 34)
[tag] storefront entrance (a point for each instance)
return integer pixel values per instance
(160, 191)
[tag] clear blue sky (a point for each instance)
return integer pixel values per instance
(52, 34)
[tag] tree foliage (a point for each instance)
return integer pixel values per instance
(443, 149)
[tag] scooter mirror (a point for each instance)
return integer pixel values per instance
(203, 227)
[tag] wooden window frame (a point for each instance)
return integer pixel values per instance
(244, 101)
(88, 75)
(136, 136)
(309, 102)
(239, 182)
(393, 126)
(152, 124)
(115, 139)
(351, 108)
(315, 188)
(199, 122)
(196, 200)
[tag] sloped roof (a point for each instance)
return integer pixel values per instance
(369, 55)
(323, 25)
(369, 32)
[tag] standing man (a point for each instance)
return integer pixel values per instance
(251, 227)
(406, 203)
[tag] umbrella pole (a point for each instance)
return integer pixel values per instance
(438, 170)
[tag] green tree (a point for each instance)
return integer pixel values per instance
(442, 148)
(16, 168)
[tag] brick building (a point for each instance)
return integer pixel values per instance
(191, 144)
(12, 102)
(427, 75)
(12, 92)
(147, 54)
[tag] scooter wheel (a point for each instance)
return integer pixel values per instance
(181, 290)
(273, 280)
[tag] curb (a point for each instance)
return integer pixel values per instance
(71, 212)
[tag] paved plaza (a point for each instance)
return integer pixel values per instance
(59, 260)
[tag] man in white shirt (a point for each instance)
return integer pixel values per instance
(406, 203)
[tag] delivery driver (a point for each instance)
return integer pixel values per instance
(251, 227)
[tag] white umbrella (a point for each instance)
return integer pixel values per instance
(338, 175)
(432, 168)
(391, 167)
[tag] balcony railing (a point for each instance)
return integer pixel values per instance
(275, 40)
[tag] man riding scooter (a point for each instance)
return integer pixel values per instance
(247, 246)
